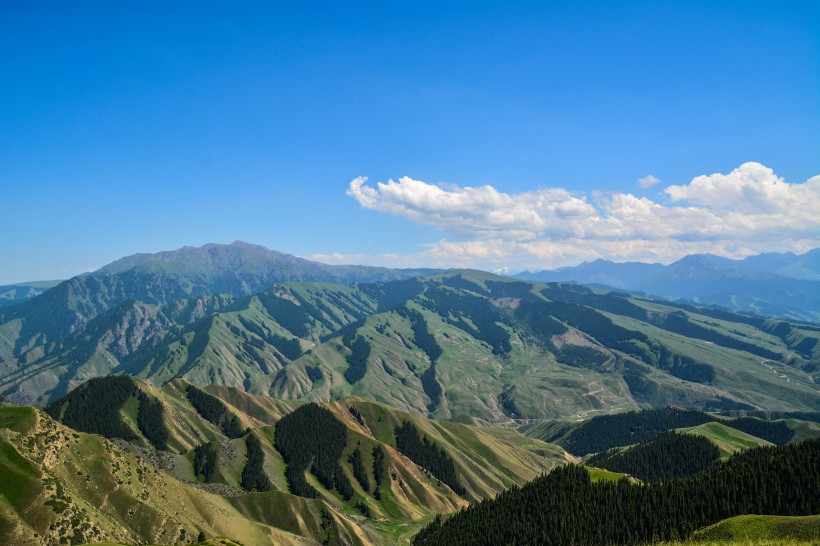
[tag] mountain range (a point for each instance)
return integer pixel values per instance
(461, 344)
(12, 294)
(232, 391)
(783, 285)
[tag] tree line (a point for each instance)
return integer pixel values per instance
(205, 461)
(604, 432)
(378, 470)
(357, 359)
(359, 470)
(665, 457)
(94, 407)
(311, 436)
(213, 410)
(427, 455)
(456, 308)
(151, 421)
(565, 507)
(253, 475)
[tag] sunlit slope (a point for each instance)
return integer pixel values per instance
(63, 483)
(730, 434)
(465, 345)
(727, 439)
(486, 460)
(741, 529)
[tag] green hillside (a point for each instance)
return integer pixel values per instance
(762, 528)
(121, 490)
(666, 457)
(224, 471)
(565, 507)
(727, 439)
(730, 434)
(460, 345)
(13, 294)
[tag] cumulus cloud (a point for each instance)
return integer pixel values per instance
(752, 188)
(481, 211)
(747, 211)
(648, 181)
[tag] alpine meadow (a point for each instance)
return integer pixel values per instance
(502, 273)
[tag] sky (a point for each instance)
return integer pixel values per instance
(498, 135)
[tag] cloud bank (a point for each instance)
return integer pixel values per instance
(747, 211)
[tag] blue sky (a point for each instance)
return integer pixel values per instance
(522, 130)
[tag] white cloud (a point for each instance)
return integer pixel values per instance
(648, 181)
(752, 188)
(481, 211)
(747, 211)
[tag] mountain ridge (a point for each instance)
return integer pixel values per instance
(456, 345)
(784, 285)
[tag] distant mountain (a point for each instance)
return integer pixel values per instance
(783, 285)
(796, 266)
(617, 275)
(12, 294)
(240, 268)
(237, 270)
(463, 345)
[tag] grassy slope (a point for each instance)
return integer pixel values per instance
(233, 347)
(727, 439)
(600, 474)
(803, 430)
(473, 377)
(67, 481)
(759, 528)
(738, 374)
(487, 460)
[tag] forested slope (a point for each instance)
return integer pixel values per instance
(564, 507)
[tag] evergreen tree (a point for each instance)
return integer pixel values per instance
(150, 420)
(314, 373)
(378, 470)
(213, 410)
(565, 507)
(359, 471)
(253, 475)
(311, 436)
(94, 407)
(427, 455)
(205, 461)
(666, 456)
(357, 360)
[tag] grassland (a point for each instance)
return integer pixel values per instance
(753, 528)
(727, 439)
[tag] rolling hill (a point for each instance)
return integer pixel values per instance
(728, 440)
(753, 528)
(63, 481)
